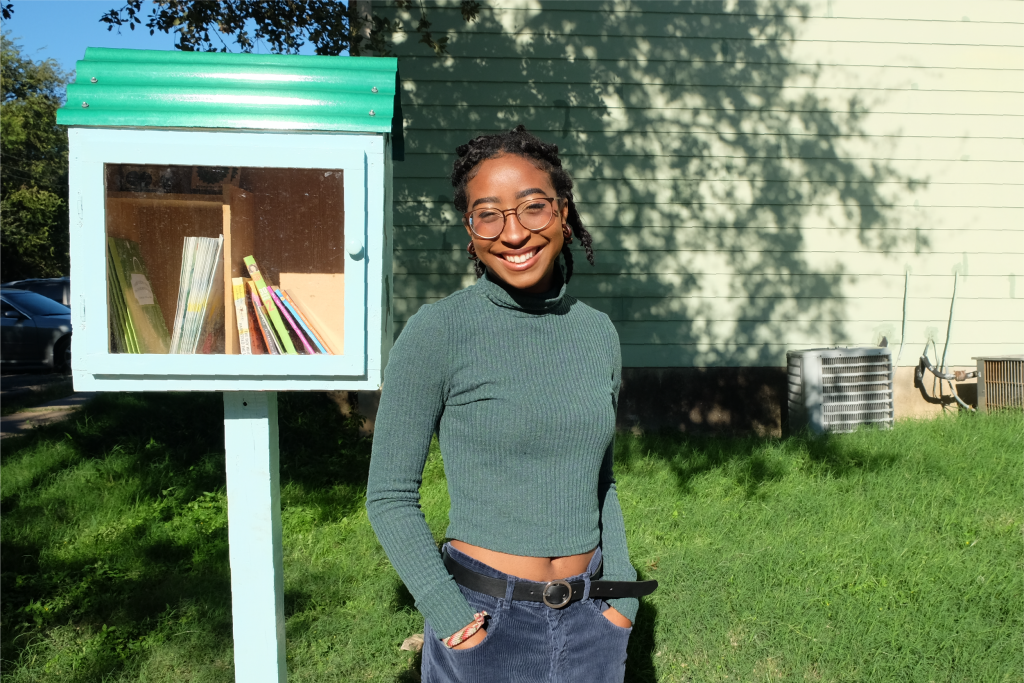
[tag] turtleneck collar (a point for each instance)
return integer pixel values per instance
(507, 297)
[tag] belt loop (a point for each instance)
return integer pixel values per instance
(586, 586)
(510, 587)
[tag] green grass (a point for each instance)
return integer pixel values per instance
(877, 556)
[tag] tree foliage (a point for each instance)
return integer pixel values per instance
(34, 170)
(284, 26)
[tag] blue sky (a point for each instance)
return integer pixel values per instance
(62, 29)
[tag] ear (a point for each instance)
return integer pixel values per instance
(564, 211)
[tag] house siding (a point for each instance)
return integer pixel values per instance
(757, 177)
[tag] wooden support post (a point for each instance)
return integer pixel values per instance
(254, 535)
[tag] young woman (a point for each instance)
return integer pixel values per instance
(521, 382)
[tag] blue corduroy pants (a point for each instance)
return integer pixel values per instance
(529, 642)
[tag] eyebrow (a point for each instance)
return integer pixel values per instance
(519, 195)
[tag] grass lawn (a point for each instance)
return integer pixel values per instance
(877, 556)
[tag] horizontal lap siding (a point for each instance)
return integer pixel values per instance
(755, 181)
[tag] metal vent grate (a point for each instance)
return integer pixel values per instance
(856, 391)
(836, 390)
(1001, 382)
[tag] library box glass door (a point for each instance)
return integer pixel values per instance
(225, 260)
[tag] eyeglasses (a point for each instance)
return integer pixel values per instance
(533, 214)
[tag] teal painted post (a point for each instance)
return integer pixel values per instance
(254, 535)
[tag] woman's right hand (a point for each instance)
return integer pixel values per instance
(472, 641)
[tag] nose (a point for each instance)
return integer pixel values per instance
(513, 231)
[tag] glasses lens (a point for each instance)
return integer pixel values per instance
(487, 223)
(534, 214)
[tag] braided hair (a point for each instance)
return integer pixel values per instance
(521, 143)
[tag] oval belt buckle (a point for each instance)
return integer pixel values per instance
(547, 587)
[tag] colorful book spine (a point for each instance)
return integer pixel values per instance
(269, 338)
(291, 321)
(256, 340)
(241, 316)
(268, 304)
(299, 319)
(303, 317)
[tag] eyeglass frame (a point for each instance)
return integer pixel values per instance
(505, 213)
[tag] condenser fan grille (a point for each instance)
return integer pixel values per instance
(838, 389)
(855, 391)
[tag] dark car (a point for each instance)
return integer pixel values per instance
(56, 288)
(36, 331)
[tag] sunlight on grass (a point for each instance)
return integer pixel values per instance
(882, 556)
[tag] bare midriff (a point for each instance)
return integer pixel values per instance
(529, 568)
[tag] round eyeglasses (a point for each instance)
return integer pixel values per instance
(534, 214)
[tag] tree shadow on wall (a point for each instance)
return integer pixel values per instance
(713, 170)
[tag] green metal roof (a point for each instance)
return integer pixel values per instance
(158, 89)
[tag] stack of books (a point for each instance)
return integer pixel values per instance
(199, 317)
(270, 321)
(137, 323)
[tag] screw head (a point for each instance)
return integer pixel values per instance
(85, 105)
(93, 80)
(373, 113)
(373, 89)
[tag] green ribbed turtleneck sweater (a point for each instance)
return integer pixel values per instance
(522, 390)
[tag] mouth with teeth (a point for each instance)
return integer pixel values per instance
(518, 259)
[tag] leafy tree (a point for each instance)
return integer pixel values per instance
(332, 27)
(34, 168)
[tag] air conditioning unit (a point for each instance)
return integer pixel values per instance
(835, 390)
(1000, 382)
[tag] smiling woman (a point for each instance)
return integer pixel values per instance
(521, 381)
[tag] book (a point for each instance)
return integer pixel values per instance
(306, 318)
(307, 328)
(256, 339)
(198, 325)
(268, 304)
(121, 339)
(211, 331)
(291, 321)
(143, 319)
(188, 262)
(241, 316)
(269, 338)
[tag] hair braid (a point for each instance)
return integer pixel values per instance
(521, 143)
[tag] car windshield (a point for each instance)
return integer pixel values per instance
(35, 304)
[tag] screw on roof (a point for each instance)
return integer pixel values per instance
(93, 80)
(373, 89)
(372, 113)
(85, 105)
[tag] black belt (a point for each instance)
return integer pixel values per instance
(554, 594)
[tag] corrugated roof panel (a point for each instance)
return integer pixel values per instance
(162, 89)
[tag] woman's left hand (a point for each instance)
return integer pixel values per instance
(613, 615)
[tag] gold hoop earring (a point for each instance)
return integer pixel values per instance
(471, 250)
(567, 233)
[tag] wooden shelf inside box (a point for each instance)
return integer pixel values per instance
(291, 220)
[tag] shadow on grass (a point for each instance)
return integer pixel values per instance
(751, 461)
(116, 520)
(640, 651)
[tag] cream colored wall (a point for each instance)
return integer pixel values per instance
(757, 177)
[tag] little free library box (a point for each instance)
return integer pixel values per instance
(230, 220)
(231, 231)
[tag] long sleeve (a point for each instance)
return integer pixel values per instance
(412, 401)
(617, 566)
